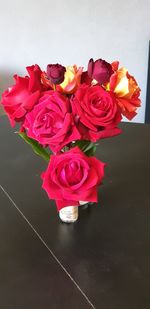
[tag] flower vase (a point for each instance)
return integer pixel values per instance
(70, 214)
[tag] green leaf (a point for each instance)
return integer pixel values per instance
(91, 151)
(37, 148)
(87, 147)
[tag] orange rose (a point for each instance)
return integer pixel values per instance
(71, 80)
(126, 90)
(45, 81)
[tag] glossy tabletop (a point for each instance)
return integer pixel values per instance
(103, 260)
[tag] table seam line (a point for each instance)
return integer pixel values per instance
(47, 247)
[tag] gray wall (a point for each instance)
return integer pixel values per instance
(72, 31)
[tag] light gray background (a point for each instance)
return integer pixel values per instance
(72, 31)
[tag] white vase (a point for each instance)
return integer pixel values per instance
(83, 203)
(69, 214)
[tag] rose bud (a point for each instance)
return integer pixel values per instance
(85, 78)
(55, 72)
(100, 70)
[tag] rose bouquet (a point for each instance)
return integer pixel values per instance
(63, 113)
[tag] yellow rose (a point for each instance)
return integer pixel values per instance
(125, 85)
(126, 91)
(71, 80)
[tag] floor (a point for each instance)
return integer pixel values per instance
(103, 260)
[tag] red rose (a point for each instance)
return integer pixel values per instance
(96, 112)
(100, 70)
(56, 72)
(35, 78)
(21, 97)
(51, 122)
(72, 177)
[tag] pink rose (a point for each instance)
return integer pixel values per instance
(96, 112)
(51, 122)
(21, 97)
(72, 177)
(100, 70)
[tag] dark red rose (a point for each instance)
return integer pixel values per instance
(96, 112)
(20, 98)
(56, 72)
(72, 177)
(100, 70)
(51, 122)
(85, 78)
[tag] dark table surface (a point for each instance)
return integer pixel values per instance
(103, 260)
